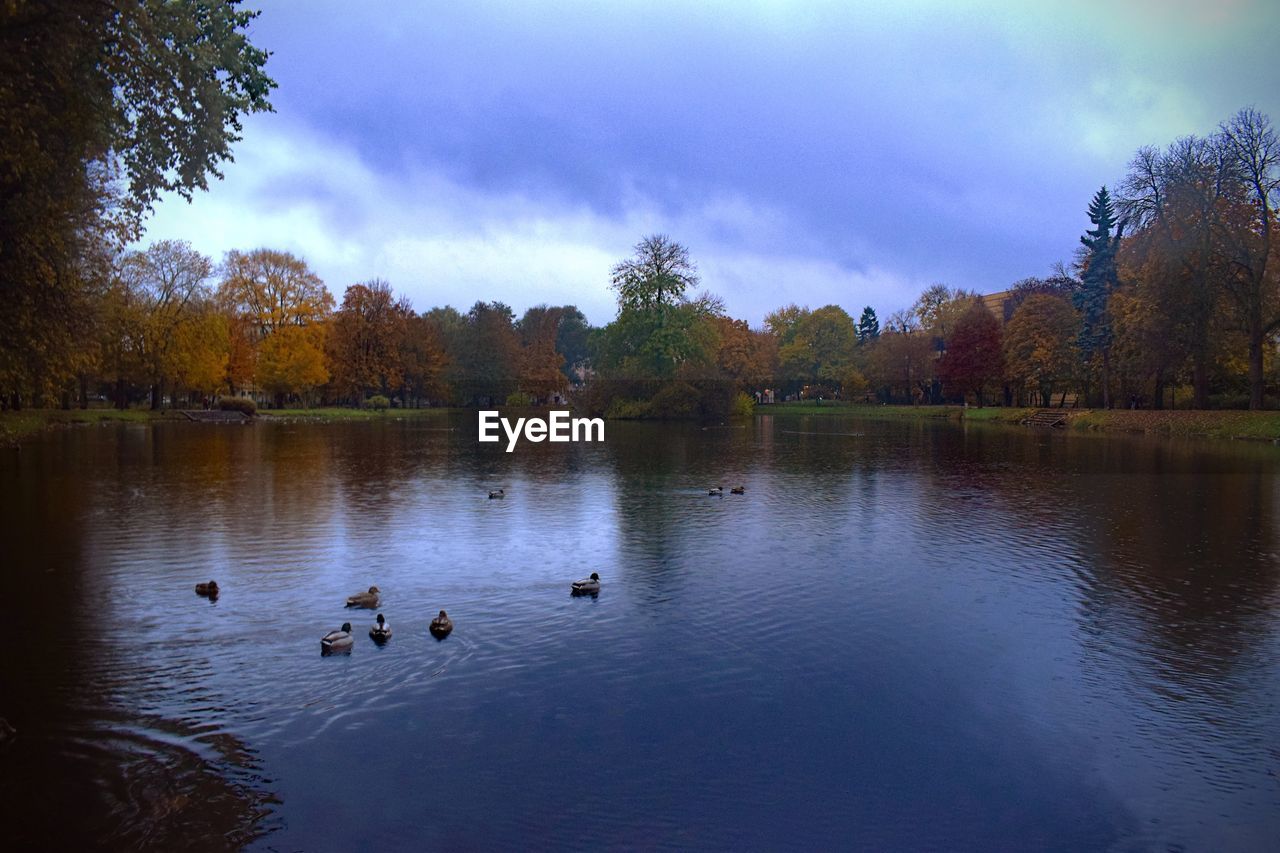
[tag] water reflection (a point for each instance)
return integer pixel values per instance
(905, 634)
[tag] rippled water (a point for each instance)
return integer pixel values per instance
(904, 636)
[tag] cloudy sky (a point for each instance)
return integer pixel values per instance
(804, 152)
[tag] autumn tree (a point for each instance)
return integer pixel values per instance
(364, 341)
(167, 281)
(541, 362)
(1040, 344)
(423, 361)
(974, 360)
(105, 106)
(822, 349)
(487, 356)
(291, 361)
(900, 359)
(1252, 151)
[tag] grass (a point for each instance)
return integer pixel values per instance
(1258, 426)
(867, 410)
(16, 426)
(338, 413)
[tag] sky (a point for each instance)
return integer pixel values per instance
(815, 153)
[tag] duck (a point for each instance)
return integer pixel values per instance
(364, 599)
(382, 631)
(587, 586)
(716, 492)
(337, 641)
(738, 490)
(497, 495)
(441, 626)
(209, 589)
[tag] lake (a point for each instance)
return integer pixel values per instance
(905, 635)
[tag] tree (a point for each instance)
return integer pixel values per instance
(821, 351)
(657, 274)
(273, 289)
(541, 363)
(1252, 151)
(105, 105)
(423, 360)
(939, 307)
(364, 342)
(900, 359)
(487, 360)
(572, 341)
(165, 280)
(1098, 281)
(868, 326)
(291, 361)
(974, 359)
(1040, 343)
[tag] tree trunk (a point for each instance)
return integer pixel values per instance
(1200, 382)
(1157, 401)
(1106, 379)
(155, 396)
(1255, 371)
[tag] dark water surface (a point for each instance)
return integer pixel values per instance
(904, 636)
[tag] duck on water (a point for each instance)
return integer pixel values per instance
(364, 599)
(337, 641)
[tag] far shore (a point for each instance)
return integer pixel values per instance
(1221, 424)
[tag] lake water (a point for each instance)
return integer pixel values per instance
(905, 635)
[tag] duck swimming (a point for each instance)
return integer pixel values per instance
(209, 589)
(587, 586)
(738, 490)
(382, 631)
(364, 599)
(716, 492)
(337, 641)
(441, 626)
(498, 494)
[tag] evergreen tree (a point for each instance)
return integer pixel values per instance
(868, 326)
(1098, 282)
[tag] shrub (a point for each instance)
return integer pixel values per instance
(676, 400)
(519, 398)
(621, 408)
(238, 404)
(377, 401)
(744, 406)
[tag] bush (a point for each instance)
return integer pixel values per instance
(675, 401)
(744, 406)
(519, 398)
(621, 408)
(377, 401)
(238, 404)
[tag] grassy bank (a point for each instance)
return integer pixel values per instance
(1257, 426)
(338, 413)
(862, 410)
(16, 426)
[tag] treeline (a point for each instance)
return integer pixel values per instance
(170, 329)
(1174, 296)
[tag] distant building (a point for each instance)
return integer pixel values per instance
(1000, 304)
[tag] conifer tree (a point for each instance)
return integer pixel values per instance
(1098, 282)
(868, 326)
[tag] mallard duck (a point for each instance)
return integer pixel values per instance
(587, 586)
(498, 494)
(364, 599)
(210, 589)
(738, 490)
(382, 631)
(441, 626)
(337, 641)
(716, 492)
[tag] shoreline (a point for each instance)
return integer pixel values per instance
(1240, 425)
(1233, 424)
